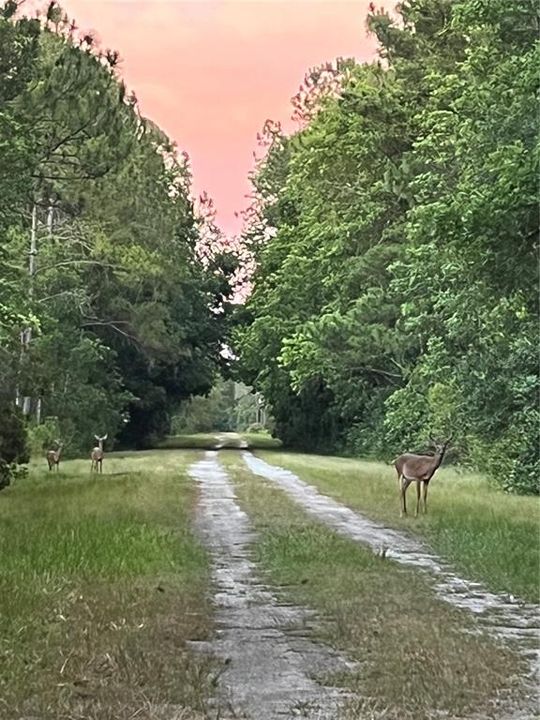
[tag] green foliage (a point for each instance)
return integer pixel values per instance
(13, 440)
(204, 414)
(395, 241)
(44, 436)
(12, 434)
(255, 428)
(121, 315)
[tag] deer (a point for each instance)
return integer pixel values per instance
(97, 454)
(411, 467)
(53, 456)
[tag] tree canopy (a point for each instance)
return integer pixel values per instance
(395, 238)
(109, 313)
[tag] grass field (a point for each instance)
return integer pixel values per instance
(416, 660)
(101, 584)
(212, 441)
(486, 534)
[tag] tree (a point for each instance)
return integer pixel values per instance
(407, 199)
(122, 317)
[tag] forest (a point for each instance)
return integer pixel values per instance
(395, 241)
(389, 257)
(113, 301)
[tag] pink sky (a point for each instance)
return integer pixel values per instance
(210, 72)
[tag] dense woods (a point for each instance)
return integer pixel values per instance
(395, 239)
(112, 307)
(391, 249)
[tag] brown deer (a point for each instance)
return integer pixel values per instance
(97, 454)
(53, 456)
(420, 469)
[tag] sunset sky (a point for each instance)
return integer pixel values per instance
(210, 72)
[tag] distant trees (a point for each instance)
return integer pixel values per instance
(395, 237)
(230, 406)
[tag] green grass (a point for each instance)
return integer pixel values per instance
(102, 582)
(211, 441)
(486, 534)
(263, 441)
(202, 441)
(417, 659)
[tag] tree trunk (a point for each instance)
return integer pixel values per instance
(26, 335)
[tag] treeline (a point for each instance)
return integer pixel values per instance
(395, 237)
(111, 309)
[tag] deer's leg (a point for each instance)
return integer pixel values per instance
(404, 485)
(417, 498)
(424, 493)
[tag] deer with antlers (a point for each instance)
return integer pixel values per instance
(420, 469)
(53, 456)
(98, 454)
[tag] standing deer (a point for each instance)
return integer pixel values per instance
(53, 456)
(97, 454)
(420, 469)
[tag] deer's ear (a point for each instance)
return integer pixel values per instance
(105, 436)
(96, 437)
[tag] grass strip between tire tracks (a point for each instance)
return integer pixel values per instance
(486, 534)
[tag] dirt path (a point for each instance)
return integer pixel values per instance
(271, 664)
(502, 616)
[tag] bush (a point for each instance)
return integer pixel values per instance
(13, 437)
(513, 460)
(13, 448)
(256, 428)
(5, 474)
(43, 437)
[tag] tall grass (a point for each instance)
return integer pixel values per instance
(485, 533)
(99, 566)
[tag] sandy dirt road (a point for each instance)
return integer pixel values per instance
(504, 617)
(273, 670)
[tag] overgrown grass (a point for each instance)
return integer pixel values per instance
(101, 585)
(416, 659)
(485, 533)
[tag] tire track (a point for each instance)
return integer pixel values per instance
(503, 617)
(270, 662)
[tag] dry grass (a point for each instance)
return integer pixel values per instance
(417, 660)
(486, 534)
(102, 584)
